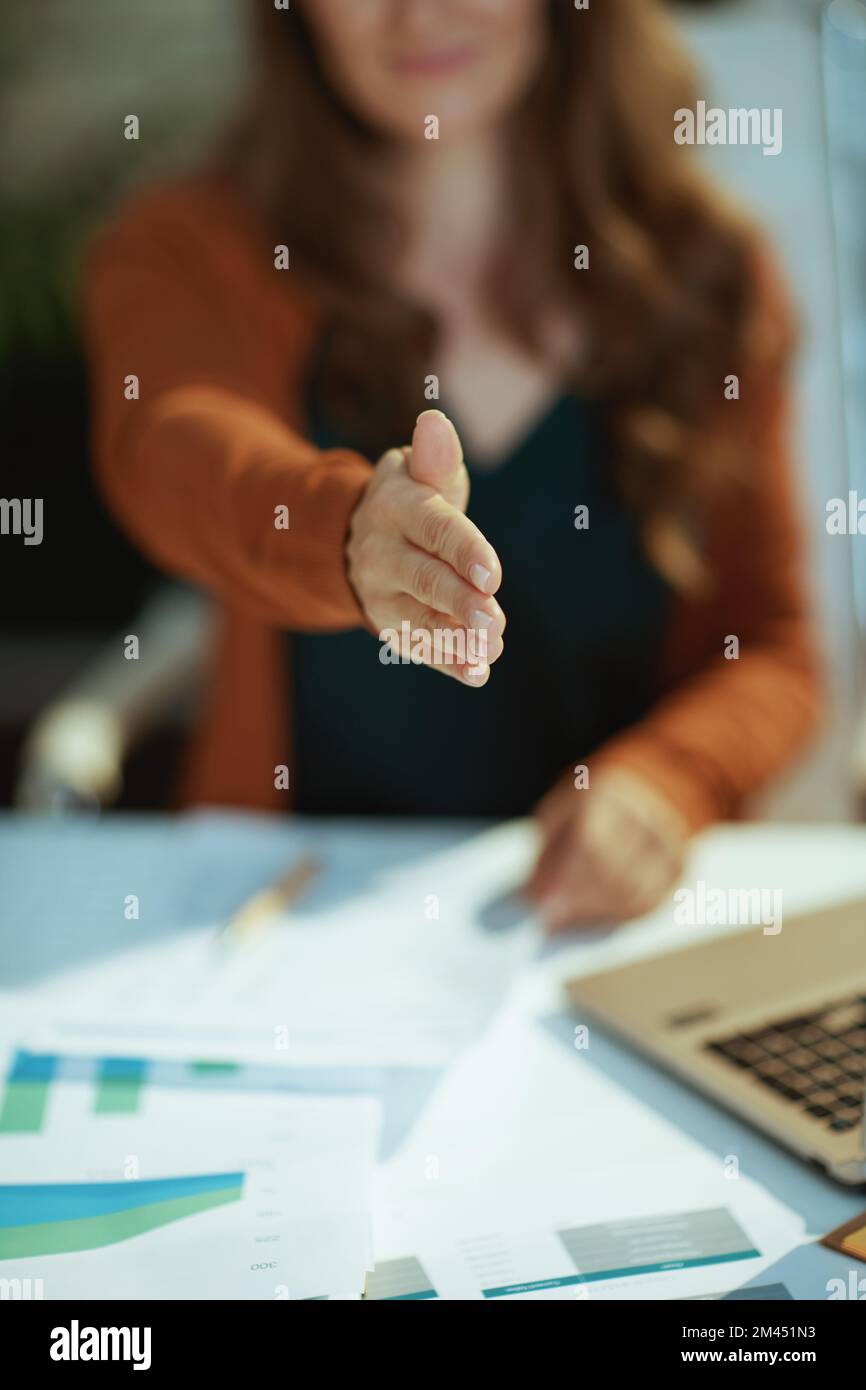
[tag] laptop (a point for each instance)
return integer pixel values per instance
(773, 1026)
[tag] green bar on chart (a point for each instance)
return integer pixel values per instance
(22, 1110)
(119, 1086)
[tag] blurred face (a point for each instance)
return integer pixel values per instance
(398, 62)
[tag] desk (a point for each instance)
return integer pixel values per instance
(64, 885)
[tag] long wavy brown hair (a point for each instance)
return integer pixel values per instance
(672, 295)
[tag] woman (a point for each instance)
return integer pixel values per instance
(481, 207)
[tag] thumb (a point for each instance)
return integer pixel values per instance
(437, 458)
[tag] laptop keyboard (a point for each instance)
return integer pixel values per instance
(816, 1062)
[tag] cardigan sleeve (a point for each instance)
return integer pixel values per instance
(726, 725)
(192, 369)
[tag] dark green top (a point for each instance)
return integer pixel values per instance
(585, 615)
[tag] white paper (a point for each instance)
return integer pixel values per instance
(526, 1150)
(286, 1204)
(406, 973)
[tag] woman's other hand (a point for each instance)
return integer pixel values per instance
(414, 557)
(610, 851)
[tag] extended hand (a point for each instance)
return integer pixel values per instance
(415, 558)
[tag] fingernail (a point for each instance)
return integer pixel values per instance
(480, 578)
(477, 673)
(482, 619)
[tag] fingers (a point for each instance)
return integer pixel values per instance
(613, 856)
(567, 886)
(582, 886)
(451, 649)
(547, 876)
(555, 807)
(435, 584)
(437, 458)
(432, 524)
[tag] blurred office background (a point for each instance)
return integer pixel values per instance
(70, 70)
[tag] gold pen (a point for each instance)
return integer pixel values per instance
(266, 906)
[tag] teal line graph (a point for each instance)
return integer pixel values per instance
(57, 1218)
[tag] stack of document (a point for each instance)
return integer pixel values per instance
(181, 1118)
(129, 1184)
(532, 1176)
(182, 1121)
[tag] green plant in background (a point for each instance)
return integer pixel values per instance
(70, 70)
(42, 233)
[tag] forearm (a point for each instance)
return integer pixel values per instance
(215, 488)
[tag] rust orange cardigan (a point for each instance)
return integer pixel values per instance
(181, 292)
